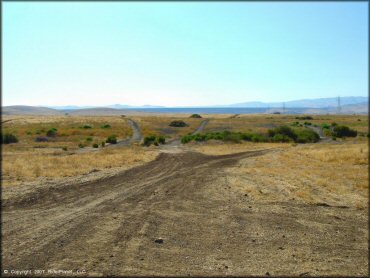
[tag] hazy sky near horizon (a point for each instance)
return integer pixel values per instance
(182, 53)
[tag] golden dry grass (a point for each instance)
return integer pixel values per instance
(329, 173)
(28, 165)
(70, 133)
(155, 125)
(263, 122)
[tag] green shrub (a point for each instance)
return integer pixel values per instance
(65, 149)
(295, 124)
(81, 145)
(148, 140)
(196, 116)
(153, 139)
(304, 118)
(178, 124)
(325, 126)
(344, 131)
(334, 138)
(307, 123)
(307, 136)
(161, 139)
(283, 130)
(112, 139)
(86, 126)
(51, 132)
(89, 139)
(95, 145)
(103, 144)
(8, 138)
(334, 124)
(281, 138)
(106, 126)
(29, 132)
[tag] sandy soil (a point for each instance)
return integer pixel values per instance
(179, 215)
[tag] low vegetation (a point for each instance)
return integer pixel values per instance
(112, 139)
(154, 139)
(341, 131)
(279, 134)
(8, 138)
(52, 132)
(197, 116)
(304, 118)
(178, 123)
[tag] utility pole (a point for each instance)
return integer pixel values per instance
(338, 108)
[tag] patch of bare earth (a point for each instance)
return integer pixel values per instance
(208, 214)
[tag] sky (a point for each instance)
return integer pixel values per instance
(182, 53)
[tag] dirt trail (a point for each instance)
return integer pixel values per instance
(136, 134)
(201, 127)
(202, 226)
(177, 142)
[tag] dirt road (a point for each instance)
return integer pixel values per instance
(178, 215)
(201, 127)
(177, 142)
(136, 135)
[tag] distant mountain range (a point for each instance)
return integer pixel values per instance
(304, 103)
(349, 105)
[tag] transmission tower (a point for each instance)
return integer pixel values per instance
(338, 108)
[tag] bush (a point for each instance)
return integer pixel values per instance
(103, 144)
(161, 139)
(307, 136)
(178, 124)
(344, 131)
(29, 132)
(112, 139)
(325, 126)
(65, 149)
(281, 138)
(86, 126)
(334, 138)
(89, 139)
(81, 145)
(95, 145)
(8, 138)
(195, 116)
(334, 124)
(287, 134)
(106, 126)
(41, 139)
(51, 132)
(304, 118)
(307, 123)
(283, 130)
(153, 139)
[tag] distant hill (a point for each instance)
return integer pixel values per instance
(349, 105)
(97, 111)
(29, 110)
(305, 103)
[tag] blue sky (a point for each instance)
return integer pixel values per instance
(182, 53)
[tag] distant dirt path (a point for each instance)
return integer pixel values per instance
(185, 203)
(200, 128)
(136, 134)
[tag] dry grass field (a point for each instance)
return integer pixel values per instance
(201, 208)
(159, 125)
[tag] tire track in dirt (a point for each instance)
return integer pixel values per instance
(40, 225)
(200, 128)
(109, 226)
